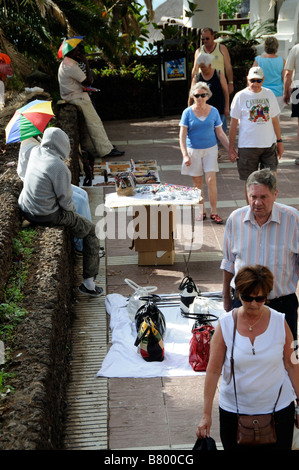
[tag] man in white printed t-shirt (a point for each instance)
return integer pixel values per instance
(255, 109)
(291, 85)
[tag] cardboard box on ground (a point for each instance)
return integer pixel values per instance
(155, 245)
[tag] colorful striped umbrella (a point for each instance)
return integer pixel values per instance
(28, 121)
(68, 45)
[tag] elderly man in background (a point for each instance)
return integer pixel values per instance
(266, 233)
(220, 55)
(256, 111)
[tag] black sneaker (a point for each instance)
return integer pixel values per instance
(114, 153)
(97, 292)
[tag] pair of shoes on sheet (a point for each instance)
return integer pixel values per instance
(114, 153)
(216, 218)
(97, 292)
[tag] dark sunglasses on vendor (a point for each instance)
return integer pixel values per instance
(202, 95)
(258, 80)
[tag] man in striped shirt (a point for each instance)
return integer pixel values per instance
(266, 233)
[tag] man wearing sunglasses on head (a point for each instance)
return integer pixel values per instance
(256, 111)
(220, 57)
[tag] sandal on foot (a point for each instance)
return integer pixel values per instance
(216, 218)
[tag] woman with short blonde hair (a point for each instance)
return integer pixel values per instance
(200, 126)
(273, 67)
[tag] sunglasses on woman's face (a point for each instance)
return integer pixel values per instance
(202, 95)
(258, 80)
(259, 299)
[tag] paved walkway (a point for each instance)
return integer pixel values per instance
(158, 413)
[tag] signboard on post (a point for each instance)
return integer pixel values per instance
(175, 69)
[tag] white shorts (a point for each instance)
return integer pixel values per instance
(202, 161)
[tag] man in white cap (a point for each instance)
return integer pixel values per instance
(255, 109)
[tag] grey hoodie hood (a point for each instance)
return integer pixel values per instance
(56, 142)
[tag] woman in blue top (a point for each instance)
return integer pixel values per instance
(200, 125)
(273, 66)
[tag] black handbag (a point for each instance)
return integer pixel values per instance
(204, 444)
(150, 326)
(253, 430)
(188, 293)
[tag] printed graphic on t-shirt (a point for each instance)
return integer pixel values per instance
(259, 112)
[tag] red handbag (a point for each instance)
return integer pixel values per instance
(199, 349)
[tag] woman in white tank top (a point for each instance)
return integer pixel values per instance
(264, 360)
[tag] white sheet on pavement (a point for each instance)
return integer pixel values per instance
(123, 359)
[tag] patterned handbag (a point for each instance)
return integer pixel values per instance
(150, 326)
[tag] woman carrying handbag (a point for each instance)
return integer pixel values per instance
(264, 379)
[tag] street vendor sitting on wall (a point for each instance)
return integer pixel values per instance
(47, 199)
(71, 80)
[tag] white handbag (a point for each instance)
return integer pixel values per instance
(134, 301)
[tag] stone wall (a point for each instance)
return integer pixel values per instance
(31, 417)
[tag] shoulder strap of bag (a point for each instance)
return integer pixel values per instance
(136, 287)
(235, 317)
(233, 344)
(277, 399)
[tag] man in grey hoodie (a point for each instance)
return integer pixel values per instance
(47, 199)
